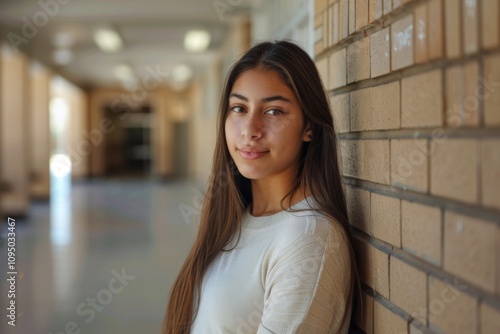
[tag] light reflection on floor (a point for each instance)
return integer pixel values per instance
(100, 257)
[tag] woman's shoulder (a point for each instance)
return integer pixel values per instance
(309, 226)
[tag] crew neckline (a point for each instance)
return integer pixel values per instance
(258, 222)
(292, 207)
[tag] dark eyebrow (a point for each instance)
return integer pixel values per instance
(266, 99)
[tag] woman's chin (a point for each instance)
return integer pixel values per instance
(251, 174)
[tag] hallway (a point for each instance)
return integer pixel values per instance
(101, 259)
(108, 123)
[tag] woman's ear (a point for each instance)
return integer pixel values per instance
(308, 135)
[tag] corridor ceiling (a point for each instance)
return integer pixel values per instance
(152, 31)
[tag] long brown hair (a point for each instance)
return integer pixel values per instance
(229, 193)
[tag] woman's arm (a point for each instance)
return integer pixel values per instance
(309, 287)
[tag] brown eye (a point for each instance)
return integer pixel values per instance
(274, 112)
(236, 109)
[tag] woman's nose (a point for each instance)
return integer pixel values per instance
(252, 127)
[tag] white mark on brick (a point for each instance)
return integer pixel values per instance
(421, 30)
(460, 226)
(386, 53)
(403, 38)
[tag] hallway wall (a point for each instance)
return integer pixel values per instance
(27, 89)
(40, 140)
(75, 140)
(415, 92)
(14, 156)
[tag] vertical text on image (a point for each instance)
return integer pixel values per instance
(11, 271)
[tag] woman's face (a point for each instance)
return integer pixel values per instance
(264, 126)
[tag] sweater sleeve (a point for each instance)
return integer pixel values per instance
(308, 287)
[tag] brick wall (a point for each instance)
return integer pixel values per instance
(414, 88)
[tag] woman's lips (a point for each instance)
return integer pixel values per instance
(252, 155)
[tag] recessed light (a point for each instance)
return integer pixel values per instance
(108, 39)
(182, 73)
(62, 39)
(62, 56)
(197, 40)
(123, 72)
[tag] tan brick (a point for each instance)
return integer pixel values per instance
(340, 111)
(318, 34)
(454, 108)
(322, 66)
(421, 36)
(366, 159)
(454, 169)
(358, 206)
(318, 20)
(461, 95)
(384, 321)
(387, 6)
(490, 173)
(338, 66)
(490, 319)
(414, 329)
(408, 288)
(409, 164)
(452, 28)
(421, 231)
(375, 9)
(490, 18)
(386, 219)
(352, 16)
(451, 310)
(343, 19)
(335, 22)
(319, 6)
(374, 268)
(329, 27)
(326, 29)
(470, 32)
(469, 249)
(490, 90)
(498, 262)
(396, 4)
(318, 48)
(375, 108)
(380, 46)
(365, 322)
(362, 10)
(471, 100)
(436, 28)
(422, 100)
(358, 60)
(402, 43)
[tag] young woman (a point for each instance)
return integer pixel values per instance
(274, 250)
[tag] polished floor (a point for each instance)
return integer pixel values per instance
(100, 257)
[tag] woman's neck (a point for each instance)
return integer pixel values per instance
(267, 196)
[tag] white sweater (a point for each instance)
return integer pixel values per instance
(289, 273)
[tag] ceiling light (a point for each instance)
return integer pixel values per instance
(62, 56)
(108, 39)
(197, 40)
(182, 73)
(62, 39)
(123, 72)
